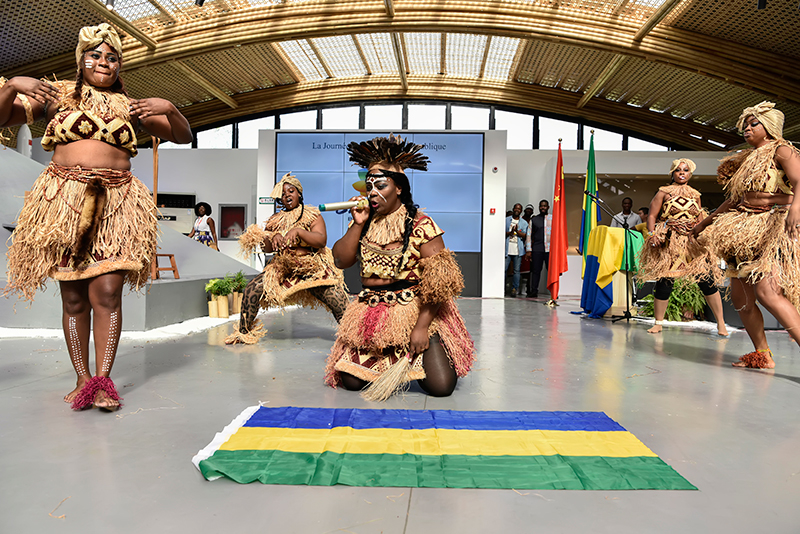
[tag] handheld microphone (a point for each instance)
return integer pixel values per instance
(335, 206)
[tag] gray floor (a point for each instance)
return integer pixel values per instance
(732, 433)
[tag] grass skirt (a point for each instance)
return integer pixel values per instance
(677, 256)
(123, 230)
(755, 246)
(372, 338)
(288, 276)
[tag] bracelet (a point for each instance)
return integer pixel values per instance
(26, 103)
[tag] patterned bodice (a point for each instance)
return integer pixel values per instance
(386, 263)
(682, 203)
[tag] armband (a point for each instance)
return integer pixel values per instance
(441, 278)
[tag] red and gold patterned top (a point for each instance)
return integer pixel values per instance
(391, 262)
(682, 203)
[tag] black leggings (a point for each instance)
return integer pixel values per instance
(440, 376)
(664, 288)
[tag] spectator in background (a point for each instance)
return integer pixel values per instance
(642, 227)
(525, 264)
(537, 245)
(626, 216)
(516, 228)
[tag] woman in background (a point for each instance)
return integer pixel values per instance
(204, 230)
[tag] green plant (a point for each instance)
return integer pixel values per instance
(686, 303)
(239, 282)
(220, 287)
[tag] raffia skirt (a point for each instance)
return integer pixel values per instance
(677, 256)
(755, 245)
(80, 223)
(375, 332)
(288, 277)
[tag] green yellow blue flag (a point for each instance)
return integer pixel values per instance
(435, 449)
(591, 215)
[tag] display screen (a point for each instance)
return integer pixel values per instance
(451, 191)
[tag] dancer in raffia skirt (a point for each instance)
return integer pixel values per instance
(88, 222)
(756, 229)
(302, 270)
(405, 324)
(670, 252)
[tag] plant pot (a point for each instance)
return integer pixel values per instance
(222, 306)
(236, 306)
(213, 310)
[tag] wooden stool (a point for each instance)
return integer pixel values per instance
(155, 270)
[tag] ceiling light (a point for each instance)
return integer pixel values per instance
(762, 4)
(110, 4)
(199, 2)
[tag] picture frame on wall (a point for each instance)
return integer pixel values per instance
(232, 221)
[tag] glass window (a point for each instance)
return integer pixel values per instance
(639, 144)
(550, 130)
(383, 117)
(221, 137)
(466, 118)
(167, 145)
(340, 118)
(603, 139)
(426, 117)
(519, 127)
(248, 131)
(301, 120)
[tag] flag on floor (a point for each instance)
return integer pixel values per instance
(591, 215)
(435, 449)
(557, 263)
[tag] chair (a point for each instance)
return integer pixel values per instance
(155, 270)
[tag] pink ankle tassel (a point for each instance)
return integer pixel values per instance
(88, 392)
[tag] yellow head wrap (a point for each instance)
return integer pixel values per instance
(91, 36)
(676, 162)
(277, 191)
(765, 112)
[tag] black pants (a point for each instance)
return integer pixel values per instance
(664, 288)
(538, 260)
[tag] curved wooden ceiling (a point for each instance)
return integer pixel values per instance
(677, 70)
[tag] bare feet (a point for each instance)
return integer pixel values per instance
(104, 402)
(655, 330)
(722, 330)
(69, 398)
(758, 359)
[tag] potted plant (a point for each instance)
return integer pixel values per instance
(219, 289)
(239, 283)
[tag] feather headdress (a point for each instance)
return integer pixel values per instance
(392, 149)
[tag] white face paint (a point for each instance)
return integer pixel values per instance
(88, 64)
(373, 179)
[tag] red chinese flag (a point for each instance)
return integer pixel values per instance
(558, 235)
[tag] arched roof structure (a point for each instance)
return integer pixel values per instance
(676, 70)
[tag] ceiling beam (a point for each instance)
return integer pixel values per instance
(205, 84)
(485, 56)
(526, 96)
(443, 53)
(736, 64)
(401, 68)
(660, 14)
(321, 59)
(611, 69)
(361, 54)
(121, 23)
(389, 7)
(156, 4)
(287, 63)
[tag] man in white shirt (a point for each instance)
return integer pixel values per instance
(516, 228)
(626, 216)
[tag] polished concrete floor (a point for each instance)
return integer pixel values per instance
(733, 433)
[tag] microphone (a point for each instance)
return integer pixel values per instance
(592, 195)
(335, 206)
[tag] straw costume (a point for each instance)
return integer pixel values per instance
(374, 334)
(290, 278)
(668, 252)
(79, 223)
(752, 239)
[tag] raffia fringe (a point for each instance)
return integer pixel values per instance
(283, 221)
(388, 229)
(312, 270)
(756, 246)
(752, 173)
(677, 257)
(394, 330)
(441, 278)
(126, 234)
(248, 338)
(252, 240)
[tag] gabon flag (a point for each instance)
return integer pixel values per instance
(558, 233)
